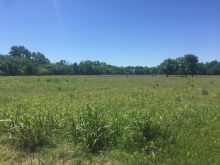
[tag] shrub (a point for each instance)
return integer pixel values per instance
(70, 94)
(205, 92)
(56, 80)
(48, 80)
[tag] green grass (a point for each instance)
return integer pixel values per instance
(109, 120)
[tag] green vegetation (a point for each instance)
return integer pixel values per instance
(109, 120)
(21, 61)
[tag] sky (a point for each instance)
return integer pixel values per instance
(118, 32)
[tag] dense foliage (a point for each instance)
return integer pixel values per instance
(21, 61)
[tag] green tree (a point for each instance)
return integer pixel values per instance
(191, 63)
(139, 70)
(214, 68)
(40, 58)
(129, 70)
(3, 65)
(153, 71)
(119, 70)
(20, 51)
(75, 68)
(169, 66)
(202, 69)
(181, 66)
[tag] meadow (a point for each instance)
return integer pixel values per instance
(110, 120)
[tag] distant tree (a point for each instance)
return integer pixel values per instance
(119, 70)
(43, 71)
(62, 62)
(20, 51)
(21, 61)
(202, 69)
(214, 69)
(181, 66)
(15, 66)
(139, 70)
(86, 68)
(40, 58)
(106, 69)
(191, 63)
(169, 66)
(130, 70)
(153, 71)
(147, 70)
(75, 68)
(211, 64)
(3, 65)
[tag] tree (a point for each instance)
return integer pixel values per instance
(191, 63)
(169, 66)
(153, 71)
(75, 68)
(129, 70)
(214, 68)
(20, 51)
(85, 68)
(3, 66)
(118, 70)
(147, 70)
(202, 69)
(181, 66)
(40, 58)
(139, 70)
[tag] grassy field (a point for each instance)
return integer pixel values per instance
(110, 120)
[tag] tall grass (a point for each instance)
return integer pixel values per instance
(144, 123)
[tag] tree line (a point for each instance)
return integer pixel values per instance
(20, 61)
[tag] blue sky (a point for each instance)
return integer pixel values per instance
(118, 32)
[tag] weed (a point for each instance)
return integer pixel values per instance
(70, 94)
(48, 80)
(204, 92)
(56, 80)
(74, 80)
(178, 99)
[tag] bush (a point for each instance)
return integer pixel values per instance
(205, 92)
(56, 80)
(48, 80)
